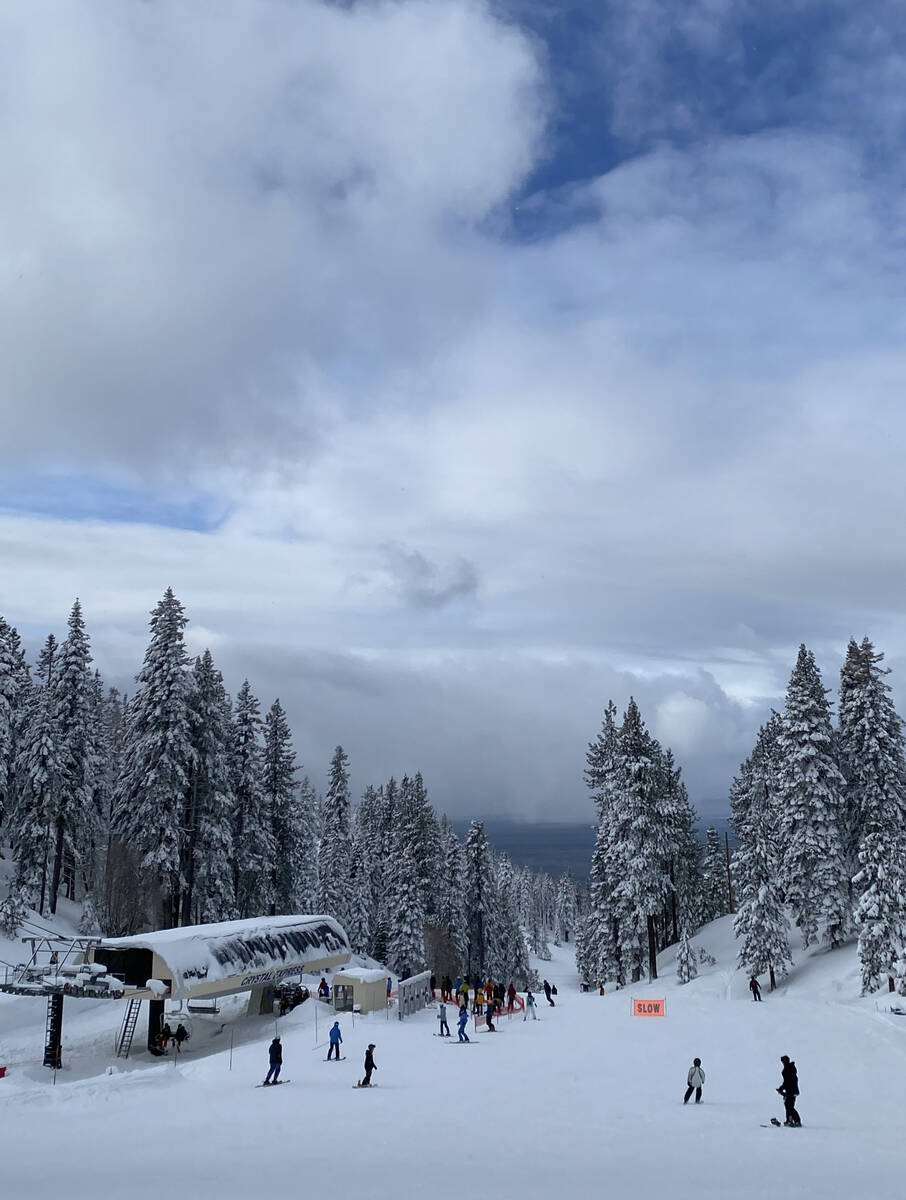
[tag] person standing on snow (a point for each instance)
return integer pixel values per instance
(369, 1066)
(755, 988)
(510, 997)
(463, 1021)
(695, 1081)
(547, 992)
(789, 1089)
(336, 1038)
(442, 1017)
(275, 1056)
(529, 1006)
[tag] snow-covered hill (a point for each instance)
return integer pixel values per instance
(587, 1101)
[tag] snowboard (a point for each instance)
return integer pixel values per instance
(363, 1087)
(275, 1084)
(781, 1125)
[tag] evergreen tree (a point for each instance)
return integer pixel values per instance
(760, 921)
(686, 966)
(335, 855)
(872, 748)
(307, 883)
(208, 849)
(566, 909)
(37, 768)
(253, 833)
(149, 801)
(72, 819)
(814, 866)
(451, 914)
(358, 928)
(479, 881)
(14, 689)
(282, 793)
(714, 883)
(406, 942)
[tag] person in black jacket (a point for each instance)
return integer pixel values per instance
(369, 1066)
(547, 992)
(275, 1054)
(789, 1089)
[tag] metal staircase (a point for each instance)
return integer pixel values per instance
(127, 1029)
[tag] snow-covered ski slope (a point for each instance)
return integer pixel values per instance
(586, 1102)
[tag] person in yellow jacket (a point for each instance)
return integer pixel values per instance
(479, 1000)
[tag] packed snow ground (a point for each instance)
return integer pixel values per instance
(585, 1102)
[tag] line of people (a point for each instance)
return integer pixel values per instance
(484, 1008)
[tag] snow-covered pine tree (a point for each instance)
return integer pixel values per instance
(149, 801)
(94, 832)
(253, 832)
(478, 901)
(565, 923)
(46, 661)
(644, 843)
(358, 927)
(36, 766)
(73, 827)
(208, 850)
(814, 866)
(598, 944)
(714, 882)
(368, 837)
(686, 966)
(307, 878)
(872, 747)
(450, 914)
(14, 692)
(406, 942)
(335, 854)
(509, 958)
(282, 792)
(760, 920)
(755, 792)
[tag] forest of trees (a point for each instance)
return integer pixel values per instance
(820, 816)
(180, 805)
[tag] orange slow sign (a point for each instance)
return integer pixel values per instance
(649, 1008)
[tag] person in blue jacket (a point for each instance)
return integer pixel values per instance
(275, 1055)
(463, 1021)
(335, 1039)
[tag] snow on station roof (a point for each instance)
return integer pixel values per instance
(231, 956)
(361, 974)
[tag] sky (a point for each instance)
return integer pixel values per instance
(461, 365)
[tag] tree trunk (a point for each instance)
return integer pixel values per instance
(652, 949)
(890, 985)
(57, 862)
(773, 980)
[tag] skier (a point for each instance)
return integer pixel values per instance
(442, 1017)
(180, 1036)
(755, 988)
(529, 1006)
(369, 1066)
(510, 998)
(695, 1080)
(335, 1039)
(789, 1089)
(547, 992)
(489, 1015)
(275, 1056)
(479, 1000)
(463, 1021)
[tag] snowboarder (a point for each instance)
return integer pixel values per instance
(335, 1039)
(275, 1057)
(529, 1006)
(755, 988)
(463, 1021)
(547, 992)
(695, 1081)
(442, 1017)
(789, 1089)
(369, 1066)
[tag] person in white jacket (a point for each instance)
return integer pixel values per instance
(695, 1079)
